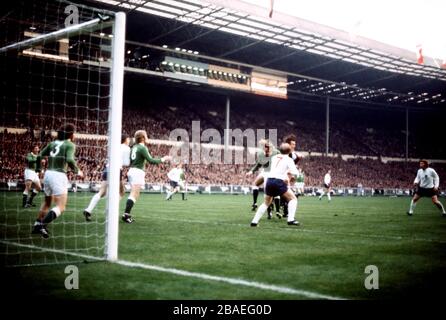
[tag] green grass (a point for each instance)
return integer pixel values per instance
(211, 235)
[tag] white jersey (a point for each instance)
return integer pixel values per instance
(125, 155)
(175, 174)
(427, 178)
(281, 164)
(327, 179)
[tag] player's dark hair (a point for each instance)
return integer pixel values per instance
(290, 137)
(124, 137)
(66, 131)
(425, 162)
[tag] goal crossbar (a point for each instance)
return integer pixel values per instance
(102, 22)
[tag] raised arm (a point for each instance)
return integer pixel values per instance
(43, 153)
(146, 154)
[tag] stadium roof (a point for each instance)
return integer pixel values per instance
(320, 62)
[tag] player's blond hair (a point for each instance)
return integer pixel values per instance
(266, 142)
(139, 135)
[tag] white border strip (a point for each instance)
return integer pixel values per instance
(201, 276)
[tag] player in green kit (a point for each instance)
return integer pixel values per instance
(31, 178)
(264, 165)
(60, 155)
(139, 155)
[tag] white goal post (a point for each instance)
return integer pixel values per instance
(106, 34)
(115, 127)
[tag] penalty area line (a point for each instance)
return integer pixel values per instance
(233, 281)
(184, 273)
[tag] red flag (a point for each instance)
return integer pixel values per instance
(271, 8)
(420, 58)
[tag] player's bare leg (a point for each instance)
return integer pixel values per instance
(45, 217)
(27, 197)
(439, 205)
(255, 191)
(121, 189)
(37, 188)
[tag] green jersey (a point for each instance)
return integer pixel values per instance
(31, 161)
(300, 178)
(264, 161)
(140, 155)
(60, 156)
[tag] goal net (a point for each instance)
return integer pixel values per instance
(61, 63)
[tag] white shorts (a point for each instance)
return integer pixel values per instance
(136, 176)
(300, 185)
(31, 175)
(55, 183)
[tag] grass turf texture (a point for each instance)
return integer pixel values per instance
(210, 234)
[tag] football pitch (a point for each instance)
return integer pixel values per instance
(204, 248)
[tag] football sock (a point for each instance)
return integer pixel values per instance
(277, 204)
(31, 198)
(24, 199)
(255, 194)
(93, 202)
(440, 206)
(292, 207)
(412, 206)
(51, 215)
(129, 205)
(270, 208)
(259, 213)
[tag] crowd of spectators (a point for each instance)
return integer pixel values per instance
(351, 132)
(91, 156)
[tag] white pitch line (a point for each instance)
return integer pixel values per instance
(184, 273)
(235, 281)
(375, 236)
(31, 246)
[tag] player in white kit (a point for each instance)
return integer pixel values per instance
(426, 183)
(125, 162)
(276, 185)
(327, 186)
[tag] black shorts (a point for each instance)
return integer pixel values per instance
(275, 187)
(425, 192)
(173, 184)
(105, 175)
(327, 186)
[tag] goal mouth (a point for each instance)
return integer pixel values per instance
(59, 61)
